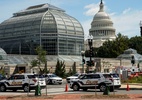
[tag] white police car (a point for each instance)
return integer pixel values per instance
(90, 81)
(53, 79)
(75, 76)
(24, 81)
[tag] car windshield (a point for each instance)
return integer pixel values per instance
(107, 75)
(31, 76)
(75, 74)
(80, 76)
(52, 75)
(39, 76)
(2, 77)
(114, 75)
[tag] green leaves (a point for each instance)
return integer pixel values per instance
(111, 49)
(60, 68)
(40, 60)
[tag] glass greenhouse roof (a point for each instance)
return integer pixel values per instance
(2, 52)
(26, 59)
(44, 25)
(37, 8)
(129, 53)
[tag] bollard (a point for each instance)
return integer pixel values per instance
(106, 91)
(37, 91)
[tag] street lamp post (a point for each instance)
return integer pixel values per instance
(132, 60)
(83, 60)
(90, 42)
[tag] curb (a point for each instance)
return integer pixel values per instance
(130, 89)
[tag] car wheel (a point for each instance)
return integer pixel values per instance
(2, 88)
(53, 82)
(26, 88)
(76, 87)
(102, 87)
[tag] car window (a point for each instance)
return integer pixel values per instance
(52, 75)
(76, 74)
(114, 75)
(31, 76)
(19, 77)
(80, 76)
(107, 75)
(2, 77)
(39, 76)
(87, 77)
(95, 76)
(12, 77)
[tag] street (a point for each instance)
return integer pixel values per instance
(60, 89)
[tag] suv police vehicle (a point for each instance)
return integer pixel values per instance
(24, 81)
(90, 81)
(115, 78)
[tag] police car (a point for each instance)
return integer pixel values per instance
(115, 78)
(90, 81)
(75, 76)
(24, 81)
(53, 79)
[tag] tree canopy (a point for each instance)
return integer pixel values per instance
(40, 60)
(111, 49)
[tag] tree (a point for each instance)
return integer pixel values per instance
(111, 49)
(72, 69)
(136, 43)
(60, 68)
(2, 70)
(40, 61)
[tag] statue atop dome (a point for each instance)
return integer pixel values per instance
(101, 6)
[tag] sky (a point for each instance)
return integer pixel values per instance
(125, 14)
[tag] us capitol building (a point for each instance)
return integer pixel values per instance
(101, 28)
(60, 34)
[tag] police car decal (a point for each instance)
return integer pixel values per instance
(15, 83)
(88, 82)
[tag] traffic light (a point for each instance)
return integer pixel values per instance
(92, 63)
(91, 52)
(88, 63)
(133, 60)
(83, 60)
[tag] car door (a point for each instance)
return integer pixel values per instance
(47, 79)
(10, 81)
(116, 79)
(87, 81)
(16, 81)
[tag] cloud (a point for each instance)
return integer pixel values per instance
(92, 9)
(127, 22)
(126, 10)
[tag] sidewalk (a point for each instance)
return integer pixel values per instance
(132, 86)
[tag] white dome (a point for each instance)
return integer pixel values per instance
(101, 14)
(102, 27)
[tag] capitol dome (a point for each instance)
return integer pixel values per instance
(102, 27)
(101, 15)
